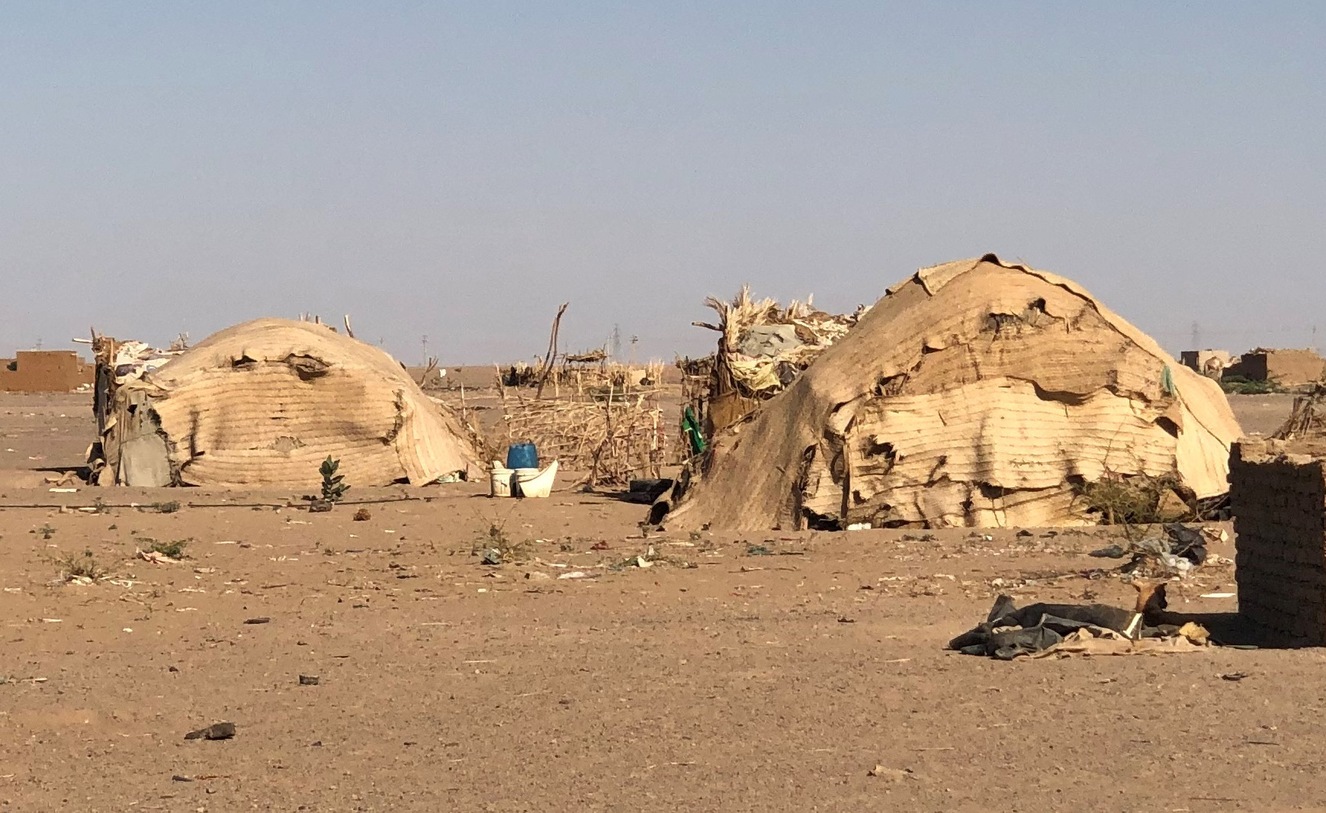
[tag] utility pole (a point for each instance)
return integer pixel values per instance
(424, 341)
(1196, 336)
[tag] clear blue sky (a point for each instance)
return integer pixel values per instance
(457, 169)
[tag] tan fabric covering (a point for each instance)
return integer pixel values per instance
(265, 402)
(1098, 641)
(976, 393)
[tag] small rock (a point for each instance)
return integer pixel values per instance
(362, 515)
(215, 731)
(262, 619)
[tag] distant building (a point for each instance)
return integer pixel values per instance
(1210, 363)
(1288, 368)
(44, 371)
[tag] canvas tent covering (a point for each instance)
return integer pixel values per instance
(976, 393)
(263, 404)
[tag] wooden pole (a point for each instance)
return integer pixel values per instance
(552, 349)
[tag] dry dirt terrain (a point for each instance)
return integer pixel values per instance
(800, 672)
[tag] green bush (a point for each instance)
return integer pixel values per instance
(1238, 385)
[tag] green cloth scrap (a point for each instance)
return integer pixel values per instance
(691, 427)
(1167, 382)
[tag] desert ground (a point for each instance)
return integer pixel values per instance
(779, 671)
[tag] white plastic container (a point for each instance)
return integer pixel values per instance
(500, 480)
(535, 483)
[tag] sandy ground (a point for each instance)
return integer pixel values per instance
(763, 672)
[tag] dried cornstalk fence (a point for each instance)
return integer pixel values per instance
(612, 437)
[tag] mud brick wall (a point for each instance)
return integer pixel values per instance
(44, 371)
(1278, 497)
(1290, 368)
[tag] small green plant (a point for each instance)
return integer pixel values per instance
(171, 550)
(1238, 385)
(333, 484)
(497, 547)
(76, 567)
(45, 531)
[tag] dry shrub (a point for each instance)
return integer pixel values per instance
(613, 440)
(1137, 499)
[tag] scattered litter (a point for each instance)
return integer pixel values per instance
(577, 574)
(538, 576)
(156, 557)
(492, 557)
(262, 619)
(859, 526)
(63, 490)
(1217, 595)
(1180, 551)
(891, 774)
(308, 680)
(215, 731)
(1234, 677)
